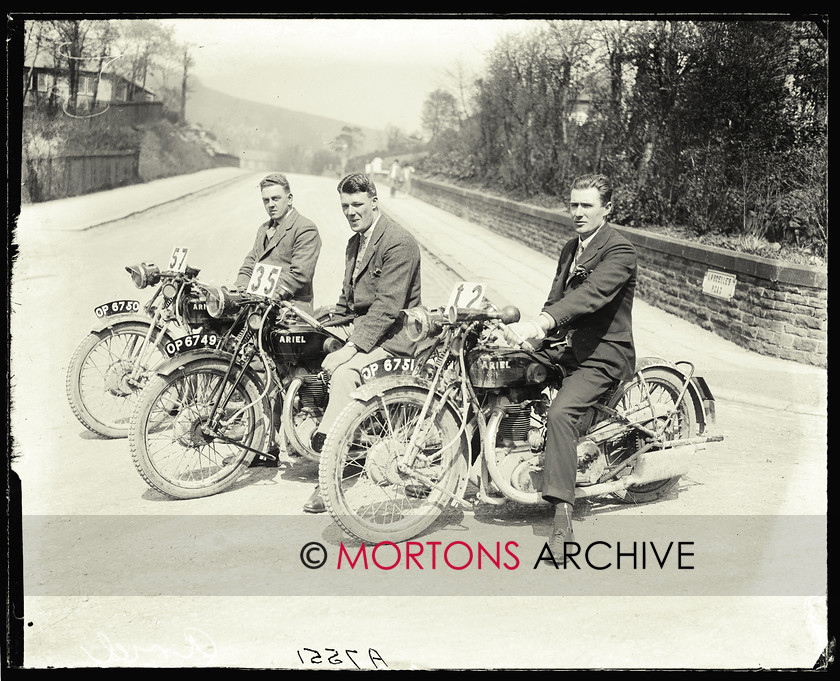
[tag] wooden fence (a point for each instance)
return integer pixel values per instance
(58, 177)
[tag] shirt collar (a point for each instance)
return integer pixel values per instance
(583, 243)
(369, 231)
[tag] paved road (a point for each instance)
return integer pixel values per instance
(92, 523)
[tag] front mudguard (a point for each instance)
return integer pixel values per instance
(368, 391)
(179, 362)
(698, 390)
(115, 319)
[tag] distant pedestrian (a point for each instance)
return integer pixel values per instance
(396, 177)
(407, 172)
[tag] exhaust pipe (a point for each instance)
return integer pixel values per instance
(650, 467)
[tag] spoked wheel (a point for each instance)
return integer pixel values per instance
(108, 371)
(663, 389)
(172, 444)
(360, 476)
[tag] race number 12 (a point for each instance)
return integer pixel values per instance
(466, 294)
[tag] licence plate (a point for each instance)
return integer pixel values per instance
(192, 342)
(116, 307)
(388, 367)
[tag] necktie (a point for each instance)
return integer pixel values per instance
(359, 253)
(578, 253)
(269, 235)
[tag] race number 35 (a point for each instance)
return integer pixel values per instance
(178, 259)
(467, 294)
(264, 279)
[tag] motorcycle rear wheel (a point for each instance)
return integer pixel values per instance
(360, 484)
(98, 388)
(168, 446)
(664, 389)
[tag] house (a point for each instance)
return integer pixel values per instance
(107, 87)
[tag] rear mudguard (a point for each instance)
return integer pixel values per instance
(698, 390)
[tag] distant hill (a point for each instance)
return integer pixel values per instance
(240, 125)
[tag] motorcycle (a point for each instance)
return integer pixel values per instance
(112, 364)
(211, 409)
(472, 408)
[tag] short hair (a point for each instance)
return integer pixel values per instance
(275, 178)
(355, 183)
(594, 181)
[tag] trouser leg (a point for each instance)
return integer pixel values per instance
(580, 390)
(344, 380)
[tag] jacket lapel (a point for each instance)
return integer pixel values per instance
(381, 226)
(283, 227)
(595, 245)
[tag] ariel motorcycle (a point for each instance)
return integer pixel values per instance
(112, 364)
(472, 408)
(209, 410)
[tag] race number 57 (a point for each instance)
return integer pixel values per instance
(178, 259)
(264, 279)
(467, 294)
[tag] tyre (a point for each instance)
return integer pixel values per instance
(102, 385)
(358, 473)
(664, 389)
(170, 446)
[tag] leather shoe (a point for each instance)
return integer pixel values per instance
(561, 532)
(263, 461)
(316, 441)
(315, 504)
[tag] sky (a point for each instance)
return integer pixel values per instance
(370, 72)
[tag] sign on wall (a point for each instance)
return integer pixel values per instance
(719, 284)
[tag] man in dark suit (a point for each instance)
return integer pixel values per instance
(381, 277)
(288, 239)
(590, 303)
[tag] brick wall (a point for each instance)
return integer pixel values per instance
(777, 309)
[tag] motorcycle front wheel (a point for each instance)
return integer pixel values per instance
(360, 481)
(102, 385)
(172, 446)
(663, 389)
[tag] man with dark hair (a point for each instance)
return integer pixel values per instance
(381, 277)
(590, 304)
(287, 239)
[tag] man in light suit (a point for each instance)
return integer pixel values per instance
(590, 303)
(381, 277)
(288, 239)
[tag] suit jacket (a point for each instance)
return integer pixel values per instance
(388, 281)
(597, 305)
(295, 246)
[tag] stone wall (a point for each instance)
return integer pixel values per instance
(776, 309)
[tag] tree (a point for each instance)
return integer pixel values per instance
(440, 113)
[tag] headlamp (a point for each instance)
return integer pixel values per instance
(144, 275)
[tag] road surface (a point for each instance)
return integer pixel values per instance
(118, 574)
